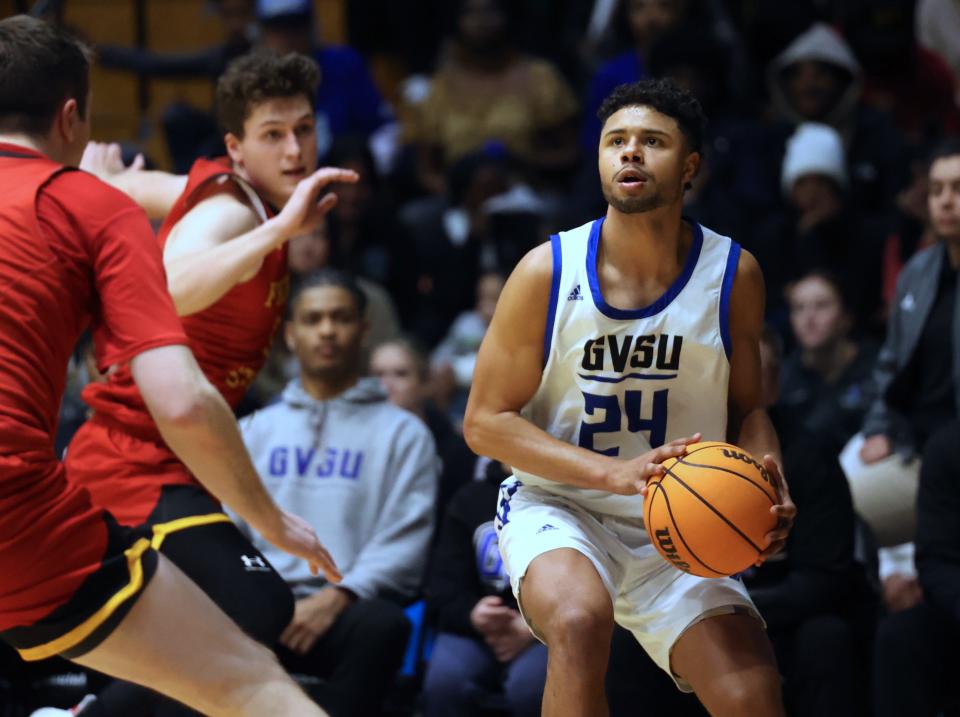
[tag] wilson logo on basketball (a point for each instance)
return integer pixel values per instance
(669, 550)
(736, 455)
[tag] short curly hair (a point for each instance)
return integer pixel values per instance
(666, 97)
(260, 76)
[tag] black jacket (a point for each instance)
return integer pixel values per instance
(916, 293)
(816, 574)
(466, 565)
(938, 521)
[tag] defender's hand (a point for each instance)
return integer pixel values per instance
(294, 535)
(630, 477)
(305, 209)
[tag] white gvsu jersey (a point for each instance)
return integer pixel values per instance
(620, 382)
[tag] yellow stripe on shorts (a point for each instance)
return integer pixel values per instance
(133, 554)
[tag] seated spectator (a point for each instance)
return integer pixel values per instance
(827, 381)
(347, 102)
(453, 360)
(813, 593)
(454, 243)
(401, 365)
(915, 658)
(363, 473)
(820, 229)
(483, 646)
(308, 254)
(366, 237)
(817, 79)
(312, 252)
(486, 90)
(915, 376)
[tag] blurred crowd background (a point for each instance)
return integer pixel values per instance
(472, 125)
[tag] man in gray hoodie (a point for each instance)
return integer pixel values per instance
(364, 473)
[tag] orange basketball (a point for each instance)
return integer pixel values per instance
(709, 513)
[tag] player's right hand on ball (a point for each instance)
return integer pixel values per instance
(294, 535)
(630, 477)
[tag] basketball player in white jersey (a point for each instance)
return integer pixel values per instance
(585, 395)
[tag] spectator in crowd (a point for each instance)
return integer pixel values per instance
(453, 360)
(916, 379)
(454, 242)
(826, 382)
(900, 76)
(404, 34)
(347, 102)
(820, 229)
(364, 473)
(645, 22)
(722, 193)
(915, 658)
(937, 27)
(401, 365)
(817, 79)
(486, 89)
(366, 237)
(814, 596)
(308, 254)
(312, 252)
(483, 646)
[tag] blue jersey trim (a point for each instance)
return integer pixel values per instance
(733, 258)
(657, 306)
(554, 295)
(620, 379)
(503, 503)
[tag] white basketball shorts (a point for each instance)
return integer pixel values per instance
(651, 598)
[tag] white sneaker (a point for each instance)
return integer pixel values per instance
(57, 712)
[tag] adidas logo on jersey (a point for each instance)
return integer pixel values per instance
(546, 527)
(575, 295)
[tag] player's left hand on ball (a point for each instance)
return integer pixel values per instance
(651, 462)
(785, 511)
(297, 537)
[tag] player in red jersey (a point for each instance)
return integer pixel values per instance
(75, 253)
(224, 247)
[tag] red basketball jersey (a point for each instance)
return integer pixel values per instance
(119, 456)
(73, 253)
(230, 339)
